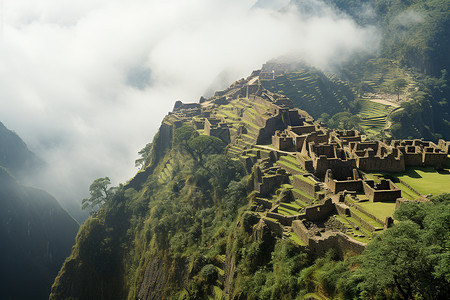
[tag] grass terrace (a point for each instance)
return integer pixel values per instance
(286, 211)
(293, 237)
(373, 116)
(350, 223)
(427, 180)
(306, 179)
(366, 218)
(381, 210)
(407, 193)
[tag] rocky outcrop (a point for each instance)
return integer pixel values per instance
(160, 277)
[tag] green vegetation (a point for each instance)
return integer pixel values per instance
(343, 120)
(427, 180)
(407, 261)
(183, 229)
(313, 91)
(407, 193)
(398, 85)
(100, 194)
(185, 221)
(144, 154)
(381, 210)
(374, 117)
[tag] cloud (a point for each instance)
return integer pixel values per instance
(408, 18)
(87, 83)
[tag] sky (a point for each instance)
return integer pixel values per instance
(86, 83)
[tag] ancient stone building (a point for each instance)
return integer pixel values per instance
(344, 137)
(423, 153)
(383, 191)
(345, 181)
(373, 156)
(218, 128)
(327, 156)
(265, 182)
(282, 141)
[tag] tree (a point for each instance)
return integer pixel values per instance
(204, 145)
(398, 85)
(144, 155)
(182, 136)
(100, 194)
(411, 259)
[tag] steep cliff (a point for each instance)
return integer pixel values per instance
(37, 234)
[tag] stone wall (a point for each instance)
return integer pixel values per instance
(385, 191)
(305, 162)
(338, 241)
(265, 183)
(389, 163)
(281, 141)
(306, 185)
(413, 159)
(320, 211)
(344, 185)
(445, 146)
(264, 202)
(274, 227)
(271, 125)
(432, 159)
(284, 220)
(217, 128)
(322, 164)
(302, 129)
(300, 230)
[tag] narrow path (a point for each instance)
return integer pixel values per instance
(292, 153)
(383, 99)
(252, 81)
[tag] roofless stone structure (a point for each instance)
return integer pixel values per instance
(310, 181)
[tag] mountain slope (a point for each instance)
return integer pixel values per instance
(37, 235)
(15, 155)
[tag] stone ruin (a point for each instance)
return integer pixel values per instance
(327, 180)
(218, 128)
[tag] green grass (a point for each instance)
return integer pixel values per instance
(373, 116)
(302, 193)
(366, 218)
(296, 239)
(291, 166)
(294, 206)
(407, 193)
(374, 176)
(306, 179)
(427, 180)
(220, 271)
(218, 293)
(351, 230)
(381, 210)
(290, 159)
(270, 219)
(286, 212)
(251, 124)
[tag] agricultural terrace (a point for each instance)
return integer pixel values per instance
(374, 116)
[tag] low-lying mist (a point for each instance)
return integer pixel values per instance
(87, 83)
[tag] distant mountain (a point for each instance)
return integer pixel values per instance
(15, 155)
(36, 234)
